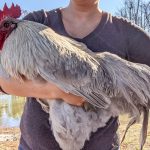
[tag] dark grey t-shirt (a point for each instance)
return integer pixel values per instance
(113, 34)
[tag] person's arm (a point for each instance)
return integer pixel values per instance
(39, 90)
(138, 44)
(33, 89)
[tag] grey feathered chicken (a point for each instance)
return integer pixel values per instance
(111, 85)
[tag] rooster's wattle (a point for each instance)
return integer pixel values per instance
(111, 85)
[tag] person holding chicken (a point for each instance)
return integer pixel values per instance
(100, 31)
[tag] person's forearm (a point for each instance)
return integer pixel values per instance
(28, 88)
(39, 90)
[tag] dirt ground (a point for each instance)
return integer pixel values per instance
(9, 137)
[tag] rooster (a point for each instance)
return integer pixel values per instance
(109, 84)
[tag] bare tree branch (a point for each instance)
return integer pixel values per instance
(137, 11)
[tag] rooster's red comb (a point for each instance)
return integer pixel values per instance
(13, 11)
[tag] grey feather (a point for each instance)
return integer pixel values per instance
(106, 81)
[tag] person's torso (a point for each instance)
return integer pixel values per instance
(107, 36)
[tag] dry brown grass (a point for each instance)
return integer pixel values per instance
(9, 138)
(131, 141)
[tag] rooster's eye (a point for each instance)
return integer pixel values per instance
(6, 24)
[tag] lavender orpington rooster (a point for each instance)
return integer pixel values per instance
(110, 85)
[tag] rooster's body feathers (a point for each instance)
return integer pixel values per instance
(104, 80)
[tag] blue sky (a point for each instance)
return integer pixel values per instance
(30, 5)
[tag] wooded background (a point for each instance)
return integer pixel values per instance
(137, 11)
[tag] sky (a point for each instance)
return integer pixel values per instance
(33, 5)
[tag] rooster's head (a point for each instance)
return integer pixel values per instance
(8, 21)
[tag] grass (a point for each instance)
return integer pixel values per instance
(131, 141)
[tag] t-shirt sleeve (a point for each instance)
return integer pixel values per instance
(36, 16)
(138, 44)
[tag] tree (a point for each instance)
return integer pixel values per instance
(137, 11)
(24, 13)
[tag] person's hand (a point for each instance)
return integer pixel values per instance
(73, 99)
(69, 98)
